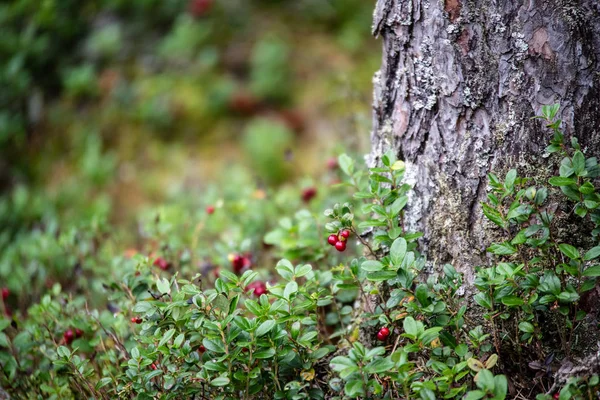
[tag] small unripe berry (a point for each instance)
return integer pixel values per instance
(210, 210)
(332, 240)
(69, 336)
(5, 293)
(383, 334)
(340, 246)
(332, 163)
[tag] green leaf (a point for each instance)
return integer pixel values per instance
(475, 395)
(302, 270)
(163, 286)
(549, 298)
(262, 354)
(512, 301)
(509, 181)
(550, 283)
(592, 271)
(502, 249)
(346, 164)
(410, 326)
(485, 380)
(587, 188)
(569, 251)
(579, 163)
(371, 266)
(265, 327)
(381, 276)
(526, 327)
(142, 307)
(285, 269)
(484, 300)
(290, 289)
(220, 381)
(178, 340)
(62, 350)
(380, 365)
(341, 363)
(561, 181)
(213, 345)
(501, 387)
(166, 337)
(493, 215)
(398, 205)
(594, 252)
(398, 251)
(229, 276)
(354, 388)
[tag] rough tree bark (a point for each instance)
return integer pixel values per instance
(459, 83)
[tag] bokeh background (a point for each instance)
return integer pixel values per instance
(113, 109)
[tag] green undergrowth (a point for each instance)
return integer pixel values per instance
(238, 292)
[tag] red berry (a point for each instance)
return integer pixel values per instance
(199, 8)
(78, 333)
(294, 120)
(69, 336)
(258, 287)
(332, 163)
(153, 366)
(237, 262)
(308, 194)
(247, 260)
(210, 210)
(340, 246)
(5, 293)
(161, 263)
(137, 320)
(201, 349)
(332, 240)
(244, 103)
(556, 396)
(383, 334)
(344, 234)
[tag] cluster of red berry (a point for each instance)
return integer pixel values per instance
(240, 262)
(137, 320)
(339, 240)
(383, 334)
(72, 334)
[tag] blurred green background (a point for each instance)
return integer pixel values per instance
(121, 120)
(116, 103)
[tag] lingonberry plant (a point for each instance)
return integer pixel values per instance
(198, 313)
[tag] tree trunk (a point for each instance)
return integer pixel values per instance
(459, 83)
